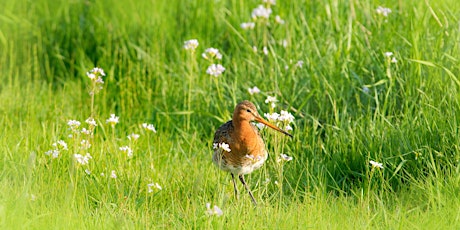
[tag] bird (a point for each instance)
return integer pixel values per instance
(238, 146)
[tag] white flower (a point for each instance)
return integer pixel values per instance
(83, 160)
(285, 157)
(260, 126)
(279, 20)
(155, 185)
(271, 99)
(191, 44)
(261, 12)
(74, 124)
(149, 127)
(85, 144)
(91, 76)
(376, 164)
(248, 25)
(254, 48)
(211, 53)
(113, 174)
(87, 171)
(383, 11)
(134, 136)
(254, 90)
(60, 145)
(284, 43)
(53, 153)
(299, 64)
(393, 60)
(127, 150)
(96, 75)
(86, 131)
(215, 70)
(99, 80)
(265, 50)
(90, 121)
(223, 146)
(113, 120)
(214, 211)
(288, 128)
(272, 116)
(98, 71)
(286, 116)
(388, 54)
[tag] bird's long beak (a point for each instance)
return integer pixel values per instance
(261, 120)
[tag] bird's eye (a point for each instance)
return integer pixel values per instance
(248, 110)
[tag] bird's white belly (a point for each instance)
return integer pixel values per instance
(242, 169)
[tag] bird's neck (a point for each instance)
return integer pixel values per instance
(243, 129)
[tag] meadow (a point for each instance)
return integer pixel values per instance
(372, 85)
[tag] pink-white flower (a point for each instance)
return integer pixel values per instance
(248, 25)
(127, 150)
(191, 44)
(211, 53)
(213, 211)
(254, 90)
(113, 174)
(215, 70)
(83, 160)
(383, 11)
(261, 12)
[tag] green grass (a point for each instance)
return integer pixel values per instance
(352, 105)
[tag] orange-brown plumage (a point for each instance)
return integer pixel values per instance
(247, 149)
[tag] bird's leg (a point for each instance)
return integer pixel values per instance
(234, 186)
(247, 188)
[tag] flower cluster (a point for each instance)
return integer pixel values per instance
(113, 120)
(95, 75)
(223, 146)
(213, 211)
(261, 14)
(390, 56)
(149, 127)
(383, 11)
(254, 90)
(83, 160)
(211, 53)
(272, 101)
(282, 119)
(127, 150)
(191, 45)
(151, 186)
(58, 147)
(215, 70)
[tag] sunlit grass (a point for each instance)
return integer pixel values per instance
(375, 134)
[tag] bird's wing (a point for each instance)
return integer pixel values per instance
(222, 134)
